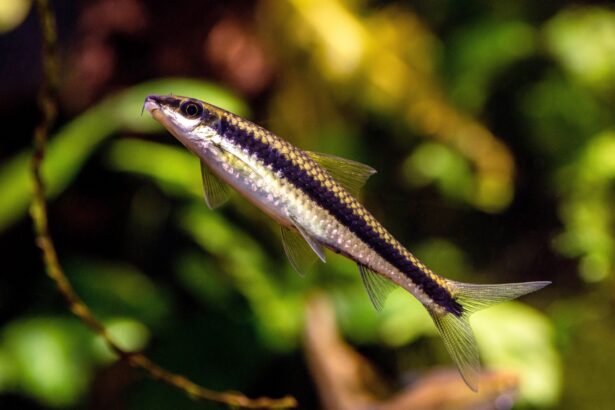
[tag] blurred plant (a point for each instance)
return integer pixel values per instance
(72, 145)
(53, 358)
(44, 357)
(346, 380)
(572, 121)
(586, 211)
(48, 105)
(583, 41)
(279, 301)
(384, 64)
(518, 339)
(370, 59)
(479, 53)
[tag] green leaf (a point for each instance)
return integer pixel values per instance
(73, 144)
(112, 289)
(174, 169)
(47, 358)
(515, 337)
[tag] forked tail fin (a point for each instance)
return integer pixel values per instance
(456, 331)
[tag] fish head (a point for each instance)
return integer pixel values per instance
(193, 122)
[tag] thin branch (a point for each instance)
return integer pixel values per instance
(47, 101)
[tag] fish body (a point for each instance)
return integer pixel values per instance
(300, 191)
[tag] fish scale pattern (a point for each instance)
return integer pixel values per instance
(305, 174)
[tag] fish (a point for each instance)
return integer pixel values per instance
(313, 197)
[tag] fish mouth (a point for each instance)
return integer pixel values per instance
(155, 105)
(151, 104)
(155, 101)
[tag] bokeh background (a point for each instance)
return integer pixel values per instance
(491, 125)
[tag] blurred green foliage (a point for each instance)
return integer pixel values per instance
(495, 142)
(75, 142)
(40, 359)
(582, 40)
(477, 60)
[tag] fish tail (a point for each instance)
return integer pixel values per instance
(455, 328)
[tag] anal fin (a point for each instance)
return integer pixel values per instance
(377, 286)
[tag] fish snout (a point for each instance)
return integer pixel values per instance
(155, 101)
(152, 103)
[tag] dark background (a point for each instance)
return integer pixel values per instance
(491, 127)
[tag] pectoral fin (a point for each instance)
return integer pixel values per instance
(352, 175)
(215, 191)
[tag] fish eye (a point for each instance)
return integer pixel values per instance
(191, 109)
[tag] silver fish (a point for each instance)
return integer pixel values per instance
(313, 198)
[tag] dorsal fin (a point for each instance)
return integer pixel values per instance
(215, 191)
(352, 175)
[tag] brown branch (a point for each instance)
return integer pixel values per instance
(47, 101)
(345, 380)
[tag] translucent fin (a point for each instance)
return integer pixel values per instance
(455, 330)
(350, 174)
(299, 253)
(314, 244)
(215, 191)
(377, 286)
(460, 344)
(476, 297)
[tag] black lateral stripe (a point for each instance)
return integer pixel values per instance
(326, 199)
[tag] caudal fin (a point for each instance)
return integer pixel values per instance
(456, 331)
